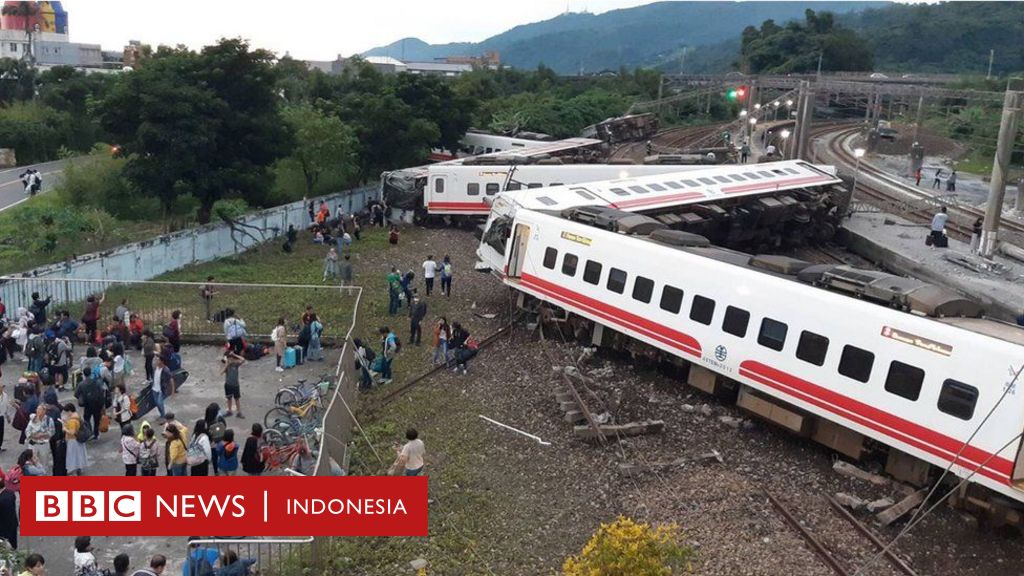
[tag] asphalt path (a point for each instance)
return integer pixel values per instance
(12, 191)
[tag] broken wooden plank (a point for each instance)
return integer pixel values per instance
(847, 469)
(574, 416)
(630, 429)
(890, 515)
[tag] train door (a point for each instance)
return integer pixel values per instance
(517, 255)
(435, 189)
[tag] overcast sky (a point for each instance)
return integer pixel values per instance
(310, 30)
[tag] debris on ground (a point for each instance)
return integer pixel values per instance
(847, 469)
(617, 430)
(880, 504)
(894, 513)
(850, 501)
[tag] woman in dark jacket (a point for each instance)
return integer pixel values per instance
(252, 460)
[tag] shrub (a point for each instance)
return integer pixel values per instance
(628, 548)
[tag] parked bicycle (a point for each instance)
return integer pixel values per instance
(297, 394)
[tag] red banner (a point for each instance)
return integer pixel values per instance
(223, 506)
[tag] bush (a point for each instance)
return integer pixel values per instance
(36, 132)
(98, 181)
(628, 548)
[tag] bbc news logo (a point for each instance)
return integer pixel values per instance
(88, 506)
(246, 506)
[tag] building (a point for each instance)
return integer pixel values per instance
(388, 65)
(48, 42)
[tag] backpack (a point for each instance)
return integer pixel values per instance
(133, 405)
(447, 269)
(84, 433)
(216, 430)
(92, 392)
(20, 421)
(168, 332)
(12, 480)
(199, 565)
(195, 455)
(34, 346)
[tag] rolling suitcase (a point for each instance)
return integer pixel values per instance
(289, 358)
(300, 358)
(942, 241)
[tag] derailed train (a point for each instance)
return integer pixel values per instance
(858, 360)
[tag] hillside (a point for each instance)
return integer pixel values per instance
(629, 37)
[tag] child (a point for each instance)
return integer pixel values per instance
(279, 335)
(227, 454)
(149, 455)
(393, 236)
(232, 389)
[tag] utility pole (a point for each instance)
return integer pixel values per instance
(805, 114)
(661, 91)
(917, 121)
(991, 59)
(1000, 168)
(820, 55)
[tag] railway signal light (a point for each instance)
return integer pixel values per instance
(736, 93)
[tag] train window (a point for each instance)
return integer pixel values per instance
(546, 201)
(488, 150)
(856, 363)
(673, 185)
(792, 171)
(904, 380)
(690, 183)
(639, 189)
(616, 280)
(958, 399)
(533, 185)
(473, 189)
(702, 310)
(707, 181)
(569, 264)
(812, 348)
(751, 175)
(773, 334)
(736, 320)
(671, 299)
(439, 186)
(584, 194)
(722, 179)
(492, 188)
(779, 172)
(592, 272)
(514, 186)
(619, 192)
(550, 257)
(766, 174)
(737, 177)
(643, 288)
(556, 184)
(656, 187)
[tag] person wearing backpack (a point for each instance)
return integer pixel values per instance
(215, 427)
(446, 276)
(130, 450)
(199, 450)
(35, 349)
(92, 396)
(38, 432)
(76, 433)
(149, 452)
(389, 349)
(234, 331)
(227, 454)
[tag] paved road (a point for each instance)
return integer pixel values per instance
(12, 191)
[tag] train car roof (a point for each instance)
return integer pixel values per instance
(534, 151)
(676, 188)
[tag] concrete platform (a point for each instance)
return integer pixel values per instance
(899, 248)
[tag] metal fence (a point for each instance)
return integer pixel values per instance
(153, 257)
(287, 556)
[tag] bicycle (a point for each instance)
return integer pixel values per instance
(297, 394)
(308, 410)
(280, 456)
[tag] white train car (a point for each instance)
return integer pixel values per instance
(467, 189)
(940, 389)
(480, 143)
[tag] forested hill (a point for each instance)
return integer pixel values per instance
(630, 37)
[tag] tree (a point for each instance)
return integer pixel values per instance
(76, 93)
(322, 142)
(17, 81)
(28, 12)
(432, 98)
(796, 47)
(35, 132)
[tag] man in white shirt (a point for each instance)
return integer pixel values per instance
(938, 227)
(429, 272)
(410, 457)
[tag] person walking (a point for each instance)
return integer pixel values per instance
(446, 276)
(345, 271)
(9, 516)
(917, 177)
(177, 453)
(442, 333)
(149, 452)
(38, 432)
(76, 458)
(331, 265)
(200, 450)
(206, 294)
(951, 182)
(130, 450)
(315, 352)
(279, 336)
(429, 273)
(937, 182)
(252, 457)
(7, 411)
(161, 379)
(92, 395)
(389, 349)
(394, 280)
(232, 388)
(938, 227)
(418, 311)
(976, 234)
(409, 461)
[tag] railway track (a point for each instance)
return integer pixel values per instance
(889, 194)
(670, 140)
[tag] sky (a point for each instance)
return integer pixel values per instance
(310, 30)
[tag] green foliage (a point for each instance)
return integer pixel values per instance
(322, 142)
(795, 47)
(17, 81)
(76, 94)
(98, 181)
(628, 548)
(34, 130)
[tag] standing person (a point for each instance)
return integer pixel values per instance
(442, 333)
(951, 182)
(331, 265)
(407, 288)
(389, 349)
(38, 432)
(122, 404)
(130, 450)
(206, 293)
(975, 237)
(315, 350)
(60, 365)
(161, 377)
(232, 388)
(122, 313)
(92, 395)
(394, 281)
(9, 516)
(429, 272)
(177, 453)
(148, 352)
(172, 332)
(917, 177)
(121, 564)
(393, 235)
(200, 450)
(410, 456)
(311, 210)
(234, 331)
(460, 345)
(7, 412)
(252, 457)
(744, 153)
(364, 361)
(418, 311)
(938, 179)
(149, 453)
(92, 314)
(938, 228)
(447, 271)
(38, 308)
(227, 454)
(76, 459)
(345, 271)
(85, 560)
(279, 336)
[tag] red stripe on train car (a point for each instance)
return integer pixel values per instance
(458, 206)
(773, 185)
(925, 439)
(657, 200)
(673, 338)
